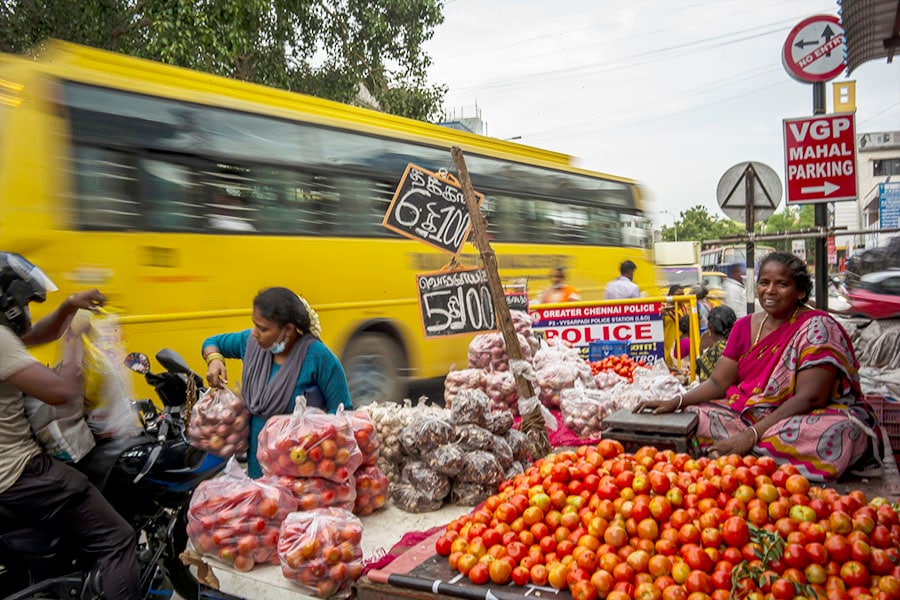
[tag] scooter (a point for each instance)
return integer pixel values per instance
(148, 479)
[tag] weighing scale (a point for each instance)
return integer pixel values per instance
(672, 431)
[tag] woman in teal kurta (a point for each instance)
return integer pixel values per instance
(283, 358)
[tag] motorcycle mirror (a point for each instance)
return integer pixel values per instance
(137, 362)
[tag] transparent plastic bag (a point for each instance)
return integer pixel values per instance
(389, 419)
(481, 468)
(499, 422)
(503, 452)
(501, 390)
(488, 351)
(220, 423)
(470, 406)
(583, 410)
(458, 381)
(557, 375)
(424, 434)
(472, 437)
(107, 389)
(364, 432)
(308, 443)
(409, 499)
(518, 443)
(315, 492)
(237, 519)
(320, 551)
(470, 494)
(425, 479)
(448, 459)
(371, 490)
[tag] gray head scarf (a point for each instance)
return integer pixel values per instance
(266, 397)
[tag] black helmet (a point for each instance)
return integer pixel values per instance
(20, 283)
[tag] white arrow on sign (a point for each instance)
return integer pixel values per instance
(826, 188)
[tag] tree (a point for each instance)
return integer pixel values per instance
(326, 48)
(697, 224)
(791, 218)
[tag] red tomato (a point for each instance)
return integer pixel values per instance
(854, 573)
(795, 556)
(480, 573)
(735, 532)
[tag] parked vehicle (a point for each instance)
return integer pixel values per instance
(715, 286)
(876, 295)
(148, 479)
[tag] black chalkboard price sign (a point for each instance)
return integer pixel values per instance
(455, 302)
(430, 207)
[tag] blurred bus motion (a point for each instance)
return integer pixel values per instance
(720, 258)
(182, 194)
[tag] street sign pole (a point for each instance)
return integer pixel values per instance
(821, 217)
(750, 279)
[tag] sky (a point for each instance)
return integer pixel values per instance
(671, 93)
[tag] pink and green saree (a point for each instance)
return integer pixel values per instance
(822, 443)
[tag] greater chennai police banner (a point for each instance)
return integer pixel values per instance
(638, 322)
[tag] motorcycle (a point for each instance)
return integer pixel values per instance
(148, 479)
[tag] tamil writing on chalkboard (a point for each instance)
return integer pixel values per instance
(455, 302)
(431, 208)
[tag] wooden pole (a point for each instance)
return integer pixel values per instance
(532, 424)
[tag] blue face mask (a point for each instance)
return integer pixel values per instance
(279, 346)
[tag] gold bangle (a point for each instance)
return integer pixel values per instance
(755, 433)
(214, 356)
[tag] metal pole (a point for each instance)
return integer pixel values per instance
(821, 218)
(750, 279)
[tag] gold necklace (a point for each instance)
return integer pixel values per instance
(759, 331)
(766, 318)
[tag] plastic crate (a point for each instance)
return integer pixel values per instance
(602, 349)
(888, 412)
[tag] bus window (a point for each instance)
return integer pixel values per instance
(104, 190)
(169, 197)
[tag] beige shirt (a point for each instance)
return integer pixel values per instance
(17, 446)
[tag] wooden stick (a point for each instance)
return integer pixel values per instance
(532, 424)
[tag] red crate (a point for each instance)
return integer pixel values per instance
(888, 412)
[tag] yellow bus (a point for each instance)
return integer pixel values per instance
(181, 194)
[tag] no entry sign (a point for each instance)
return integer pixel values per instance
(820, 158)
(813, 50)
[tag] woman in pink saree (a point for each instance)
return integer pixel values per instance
(787, 384)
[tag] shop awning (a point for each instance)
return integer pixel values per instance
(871, 29)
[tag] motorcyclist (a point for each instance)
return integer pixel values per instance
(43, 491)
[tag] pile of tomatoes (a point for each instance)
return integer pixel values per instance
(622, 365)
(657, 525)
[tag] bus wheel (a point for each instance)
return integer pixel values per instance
(373, 362)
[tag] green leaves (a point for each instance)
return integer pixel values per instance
(326, 48)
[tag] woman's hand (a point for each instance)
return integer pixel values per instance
(658, 407)
(740, 444)
(216, 374)
(89, 300)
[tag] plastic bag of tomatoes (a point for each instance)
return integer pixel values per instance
(220, 423)
(319, 550)
(309, 443)
(237, 519)
(371, 490)
(315, 492)
(364, 432)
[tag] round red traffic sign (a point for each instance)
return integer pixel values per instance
(814, 49)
